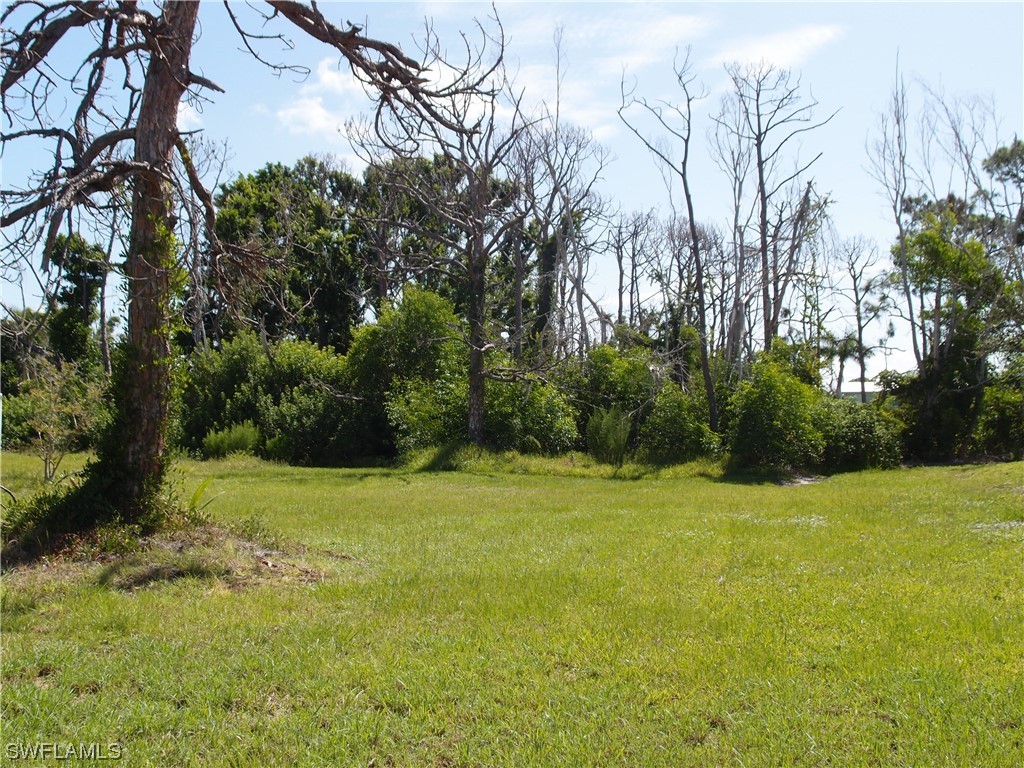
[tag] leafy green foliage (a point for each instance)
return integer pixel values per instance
(527, 415)
(418, 339)
(676, 430)
(620, 378)
(311, 405)
(858, 436)
(217, 388)
(83, 270)
(608, 435)
(298, 220)
(16, 428)
(798, 358)
(1000, 431)
(427, 414)
(966, 311)
(773, 421)
(609, 377)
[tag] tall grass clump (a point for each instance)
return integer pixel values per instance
(608, 435)
(237, 438)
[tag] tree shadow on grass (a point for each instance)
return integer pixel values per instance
(445, 458)
(134, 573)
(751, 477)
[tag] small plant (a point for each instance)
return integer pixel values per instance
(238, 438)
(58, 407)
(608, 435)
(255, 530)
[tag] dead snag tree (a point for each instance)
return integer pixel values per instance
(453, 168)
(677, 120)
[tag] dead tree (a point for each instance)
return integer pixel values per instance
(866, 292)
(453, 166)
(772, 113)
(890, 168)
(677, 120)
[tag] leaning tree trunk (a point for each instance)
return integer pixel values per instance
(133, 455)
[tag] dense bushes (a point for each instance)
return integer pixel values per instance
(403, 387)
(676, 429)
(1000, 431)
(293, 394)
(527, 416)
(781, 423)
(857, 436)
(773, 424)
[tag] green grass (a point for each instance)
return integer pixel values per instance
(490, 618)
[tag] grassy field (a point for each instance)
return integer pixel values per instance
(483, 618)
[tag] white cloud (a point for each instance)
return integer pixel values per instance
(323, 104)
(333, 77)
(189, 118)
(307, 115)
(784, 49)
(597, 50)
(635, 43)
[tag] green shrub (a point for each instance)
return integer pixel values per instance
(217, 388)
(620, 378)
(772, 421)
(607, 377)
(527, 416)
(608, 435)
(15, 426)
(418, 339)
(59, 410)
(676, 430)
(237, 438)
(1000, 431)
(858, 436)
(297, 395)
(426, 414)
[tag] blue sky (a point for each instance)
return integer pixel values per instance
(845, 53)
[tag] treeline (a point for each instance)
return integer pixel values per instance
(330, 319)
(402, 385)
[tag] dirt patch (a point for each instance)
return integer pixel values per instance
(205, 553)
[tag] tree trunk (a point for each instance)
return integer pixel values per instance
(702, 326)
(517, 334)
(541, 331)
(477, 311)
(133, 455)
(104, 330)
(762, 197)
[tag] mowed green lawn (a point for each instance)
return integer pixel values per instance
(450, 619)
